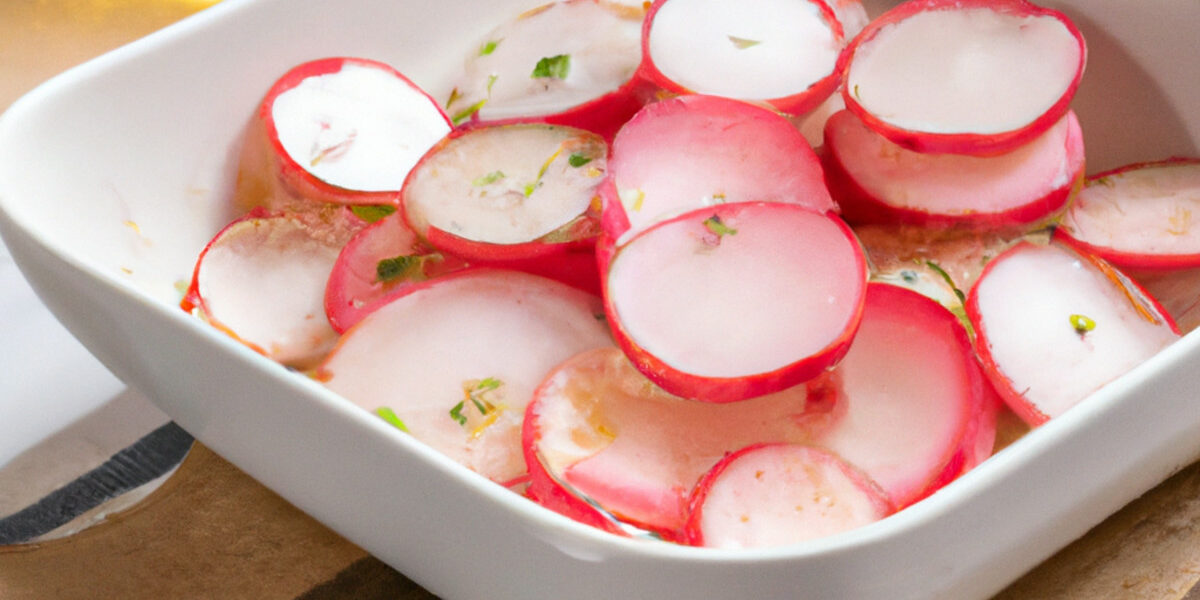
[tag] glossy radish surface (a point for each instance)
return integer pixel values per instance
(777, 494)
(913, 401)
(1054, 325)
(337, 130)
(1143, 215)
(507, 192)
(618, 440)
(382, 260)
(262, 279)
(494, 335)
(876, 180)
(569, 63)
(964, 76)
(683, 153)
(736, 300)
(780, 51)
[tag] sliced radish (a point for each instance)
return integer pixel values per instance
(688, 152)
(379, 262)
(784, 52)
(1175, 289)
(337, 130)
(1054, 325)
(851, 14)
(876, 180)
(568, 63)
(777, 494)
(914, 408)
(964, 76)
(507, 192)
(262, 280)
(736, 300)
(495, 334)
(1145, 215)
(615, 439)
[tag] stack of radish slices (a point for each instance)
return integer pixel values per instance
(614, 276)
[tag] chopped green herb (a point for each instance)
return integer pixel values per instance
(578, 160)
(390, 416)
(492, 177)
(372, 212)
(556, 67)
(491, 81)
(942, 272)
(466, 113)
(1082, 324)
(454, 96)
(488, 47)
(856, 92)
(909, 276)
(536, 183)
(743, 43)
(474, 392)
(719, 228)
(399, 267)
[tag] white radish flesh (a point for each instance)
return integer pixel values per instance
(507, 185)
(684, 153)
(492, 336)
(1145, 215)
(875, 180)
(777, 494)
(757, 50)
(736, 300)
(1054, 326)
(910, 389)
(610, 434)
(262, 279)
(549, 60)
(968, 77)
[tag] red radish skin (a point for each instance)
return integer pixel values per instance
(355, 286)
(1054, 325)
(271, 174)
(684, 153)
(1140, 216)
(262, 278)
(877, 181)
(599, 430)
(948, 106)
(915, 409)
(495, 335)
(745, 39)
(777, 494)
(736, 300)
(508, 193)
(594, 88)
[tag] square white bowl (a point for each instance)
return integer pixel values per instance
(115, 174)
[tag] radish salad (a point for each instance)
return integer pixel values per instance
(717, 274)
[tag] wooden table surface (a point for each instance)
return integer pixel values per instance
(211, 531)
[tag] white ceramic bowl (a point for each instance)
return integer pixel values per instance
(114, 175)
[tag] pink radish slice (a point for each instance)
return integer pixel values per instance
(851, 14)
(736, 300)
(379, 262)
(778, 494)
(913, 402)
(507, 192)
(964, 76)
(457, 359)
(684, 153)
(337, 130)
(262, 280)
(875, 180)
(566, 63)
(1140, 215)
(783, 52)
(619, 441)
(1054, 325)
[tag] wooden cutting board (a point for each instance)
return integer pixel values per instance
(210, 531)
